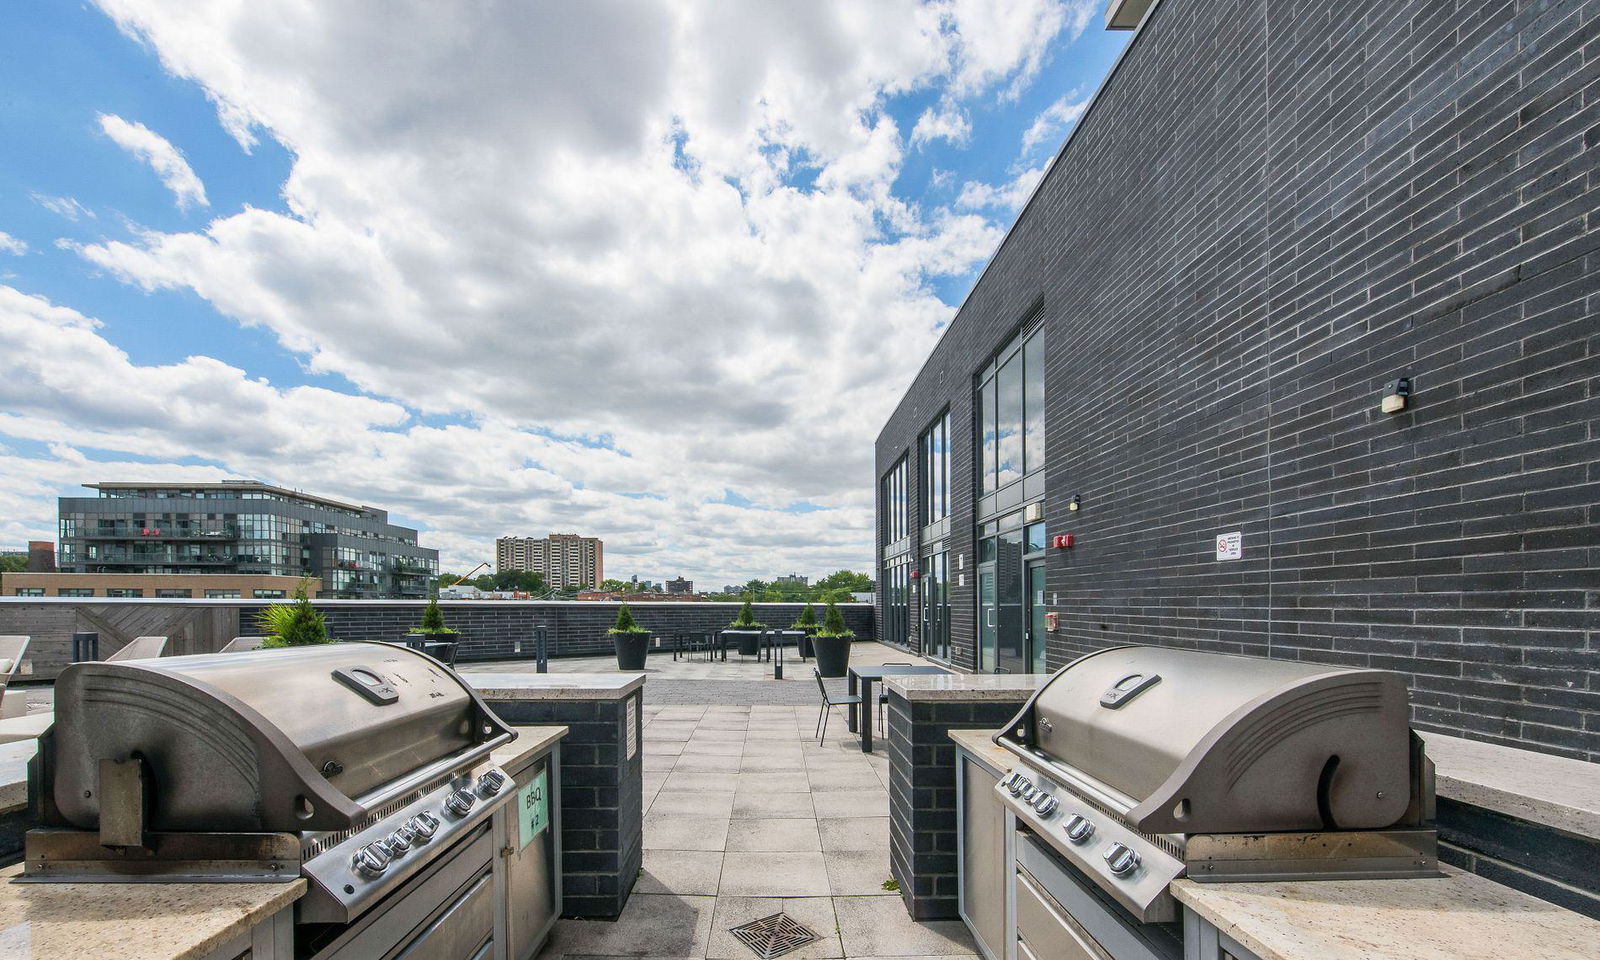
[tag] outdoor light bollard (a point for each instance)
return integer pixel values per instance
(85, 646)
(777, 657)
(541, 651)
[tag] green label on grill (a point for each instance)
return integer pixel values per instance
(533, 808)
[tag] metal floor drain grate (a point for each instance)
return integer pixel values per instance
(773, 936)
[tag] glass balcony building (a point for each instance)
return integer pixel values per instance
(246, 527)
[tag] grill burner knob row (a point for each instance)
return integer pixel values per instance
(491, 782)
(1046, 805)
(460, 802)
(1079, 828)
(1121, 859)
(371, 860)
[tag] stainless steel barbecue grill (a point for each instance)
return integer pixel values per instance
(363, 767)
(1139, 765)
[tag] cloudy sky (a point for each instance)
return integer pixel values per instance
(655, 272)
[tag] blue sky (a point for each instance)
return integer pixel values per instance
(489, 287)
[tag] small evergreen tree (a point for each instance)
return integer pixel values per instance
(808, 618)
(833, 623)
(296, 624)
(747, 614)
(432, 619)
(625, 622)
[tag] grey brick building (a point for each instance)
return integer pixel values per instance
(1270, 212)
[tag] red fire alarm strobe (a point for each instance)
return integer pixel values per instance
(914, 574)
(1062, 541)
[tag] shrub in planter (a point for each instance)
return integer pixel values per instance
(629, 640)
(831, 644)
(432, 628)
(750, 644)
(296, 624)
(807, 623)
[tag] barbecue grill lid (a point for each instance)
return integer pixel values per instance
(268, 740)
(1209, 743)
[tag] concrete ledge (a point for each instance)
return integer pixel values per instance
(553, 686)
(1552, 791)
(1008, 687)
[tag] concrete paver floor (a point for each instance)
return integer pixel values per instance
(746, 815)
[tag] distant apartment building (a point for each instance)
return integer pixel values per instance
(678, 585)
(563, 559)
(156, 586)
(794, 579)
(242, 527)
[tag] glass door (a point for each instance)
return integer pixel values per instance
(1011, 654)
(988, 622)
(1036, 612)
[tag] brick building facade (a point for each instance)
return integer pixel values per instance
(1267, 214)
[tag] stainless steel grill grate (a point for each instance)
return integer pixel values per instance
(773, 936)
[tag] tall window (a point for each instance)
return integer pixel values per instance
(896, 503)
(934, 470)
(896, 586)
(1011, 413)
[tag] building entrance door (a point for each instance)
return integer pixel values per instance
(1011, 653)
(1036, 612)
(988, 619)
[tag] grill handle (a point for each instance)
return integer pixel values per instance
(434, 770)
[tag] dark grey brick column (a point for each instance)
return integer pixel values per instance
(602, 787)
(922, 791)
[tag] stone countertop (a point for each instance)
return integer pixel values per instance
(1460, 916)
(131, 921)
(554, 686)
(14, 759)
(980, 744)
(530, 741)
(966, 686)
(1554, 791)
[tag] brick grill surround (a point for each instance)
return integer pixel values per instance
(602, 798)
(1270, 211)
(922, 796)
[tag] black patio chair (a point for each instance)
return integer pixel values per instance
(829, 702)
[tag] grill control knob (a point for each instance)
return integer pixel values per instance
(1121, 859)
(399, 841)
(1079, 828)
(371, 860)
(490, 783)
(423, 826)
(460, 802)
(1046, 805)
(1011, 778)
(1029, 794)
(1022, 784)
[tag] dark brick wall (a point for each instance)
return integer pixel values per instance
(1271, 210)
(1547, 863)
(503, 629)
(602, 798)
(922, 797)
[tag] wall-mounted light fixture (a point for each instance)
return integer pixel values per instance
(1076, 503)
(1395, 393)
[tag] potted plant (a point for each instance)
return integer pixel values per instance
(629, 640)
(432, 629)
(831, 644)
(296, 624)
(807, 624)
(749, 641)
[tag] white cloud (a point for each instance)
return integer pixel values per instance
(1008, 196)
(565, 220)
(10, 244)
(164, 158)
(948, 122)
(1052, 122)
(65, 207)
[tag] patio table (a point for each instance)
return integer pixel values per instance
(861, 717)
